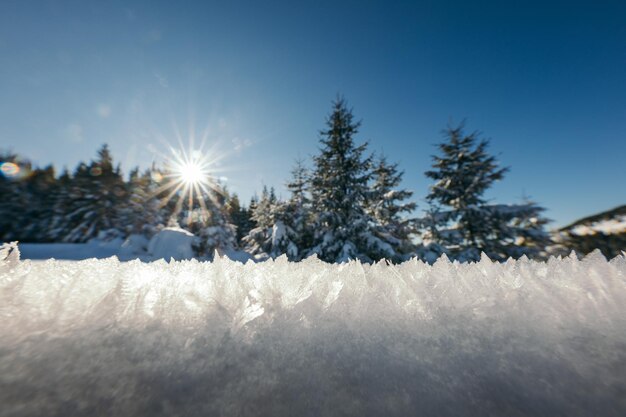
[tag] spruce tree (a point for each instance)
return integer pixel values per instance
(217, 232)
(462, 223)
(259, 239)
(142, 213)
(240, 217)
(339, 189)
(41, 189)
(60, 224)
(388, 207)
(97, 196)
(297, 234)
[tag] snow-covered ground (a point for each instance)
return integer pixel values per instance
(103, 337)
(169, 243)
(606, 226)
(68, 251)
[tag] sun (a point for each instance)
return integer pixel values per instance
(189, 179)
(191, 172)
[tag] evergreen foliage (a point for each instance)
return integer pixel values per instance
(294, 235)
(344, 229)
(142, 214)
(240, 217)
(348, 206)
(388, 207)
(263, 214)
(96, 197)
(283, 227)
(462, 224)
(216, 231)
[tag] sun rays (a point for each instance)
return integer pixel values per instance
(188, 178)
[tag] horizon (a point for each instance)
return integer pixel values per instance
(545, 83)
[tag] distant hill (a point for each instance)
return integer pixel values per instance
(605, 231)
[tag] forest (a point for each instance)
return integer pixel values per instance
(350, 204)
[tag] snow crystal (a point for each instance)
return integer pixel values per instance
(103, 337)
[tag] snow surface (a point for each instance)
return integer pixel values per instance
(169, 243)
(68, 251)
(103, 337)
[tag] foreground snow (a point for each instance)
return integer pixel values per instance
(102, 337)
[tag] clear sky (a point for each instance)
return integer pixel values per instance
(546, 81)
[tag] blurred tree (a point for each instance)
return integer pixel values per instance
(95, 201)
(259, 239)
(465, 224)
(386, 203)
(240, 217)
(41, 190)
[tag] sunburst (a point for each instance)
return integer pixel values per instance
(189, 178)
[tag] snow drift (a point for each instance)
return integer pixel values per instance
(101, 337)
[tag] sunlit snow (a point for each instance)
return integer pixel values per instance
(606, 226)
(103, 337)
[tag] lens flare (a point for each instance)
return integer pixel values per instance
(9, 169)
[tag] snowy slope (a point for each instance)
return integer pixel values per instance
(610, 226)
(605, 231)
(102, 337)
(608, 222)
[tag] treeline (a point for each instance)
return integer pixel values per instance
(348, 205)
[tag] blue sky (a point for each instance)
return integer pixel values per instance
(546, 81)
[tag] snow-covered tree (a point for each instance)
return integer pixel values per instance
(142, 212)
(210, 223)
(390, 210)
(41, 187)
(462, 223)
(339, 188)
(94, 202)
(240, 216)
(263, 214)
(295, 234)
(59, 225)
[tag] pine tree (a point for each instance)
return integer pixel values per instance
(259, 239)
(294, 234)
(96, 198)
(240, 217)
(462, 224)
(388, 207)
(142, 214)
(210, 222)
(41, 189)
(60, 224)
(339, 188)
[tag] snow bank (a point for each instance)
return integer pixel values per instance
(172, 242)
(101, 337)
